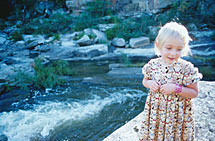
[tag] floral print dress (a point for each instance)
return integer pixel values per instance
(169, 117)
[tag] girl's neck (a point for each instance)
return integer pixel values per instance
(166, 63)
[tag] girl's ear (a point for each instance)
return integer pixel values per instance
(156, 44)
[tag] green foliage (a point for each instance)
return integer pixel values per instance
(78, 36)
(92, 36)
(84, 21)
(16, 36)
(192, 11)
(56, 37)
(113, 19)
(46, 76)
(127, 29)
(99, 8)
(56, 23)
(206, 60)
(207, 75)
(131, 28)
(62, 68)
(22, 80)
(25, 9)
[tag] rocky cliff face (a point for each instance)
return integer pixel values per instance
(126, 5)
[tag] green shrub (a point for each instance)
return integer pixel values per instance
(79, 36)
(84, 21)
(56, 23)
(207, 75)
(127, 29)
(16, 36)
(113, 19)
(56, 37)
(191, 11)
(62, 68)
(99, 8)
(22, 80)
(46, 76)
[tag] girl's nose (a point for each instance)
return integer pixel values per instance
(173, 53)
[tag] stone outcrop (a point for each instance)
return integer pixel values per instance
(139, 42)
(204, 118)
(125, 5)
(118, 42)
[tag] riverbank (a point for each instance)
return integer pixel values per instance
(204, 118)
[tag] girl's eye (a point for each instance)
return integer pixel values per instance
(179, 49)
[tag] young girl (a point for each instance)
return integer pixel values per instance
(168, 113)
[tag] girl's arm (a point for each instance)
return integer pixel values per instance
(190, 91)
(151, 84)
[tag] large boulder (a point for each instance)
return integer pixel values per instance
(100, 36)
(76, 53)
(199, 35)
(76, 5)
(84, 41)
(3, 38)
(139, 42)
(136, 54)
(118, 42)
(104, 27)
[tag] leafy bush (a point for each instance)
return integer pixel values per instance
(45, 76)
(84, 21)
(56, 23)
(56, 37)
(99, 8)
(16, 36)
(183, 12)
(48, 76)
(25, 9)
(127, 29)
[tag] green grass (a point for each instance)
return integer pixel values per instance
(45, 76)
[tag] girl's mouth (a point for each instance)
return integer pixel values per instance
(171, 59)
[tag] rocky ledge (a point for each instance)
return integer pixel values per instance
(204, 118)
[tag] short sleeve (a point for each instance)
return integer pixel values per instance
(147, 70)
(191, 74)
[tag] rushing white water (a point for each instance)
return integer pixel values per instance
(46, 116)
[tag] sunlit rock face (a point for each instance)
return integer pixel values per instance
(125, 5)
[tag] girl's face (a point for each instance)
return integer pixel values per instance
(171, 50)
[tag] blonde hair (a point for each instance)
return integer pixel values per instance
(172, 30)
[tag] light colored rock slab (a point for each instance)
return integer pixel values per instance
(204, 118)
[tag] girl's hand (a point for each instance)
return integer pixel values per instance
(153, 85)
(167, 88)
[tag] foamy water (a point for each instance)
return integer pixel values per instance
(46, 116)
